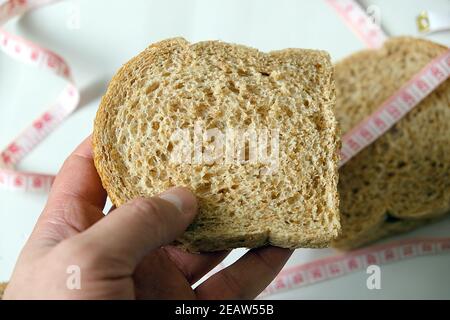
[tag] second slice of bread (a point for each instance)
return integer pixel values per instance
(174, 84)
(402, 180)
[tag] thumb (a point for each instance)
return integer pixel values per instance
(134, 229)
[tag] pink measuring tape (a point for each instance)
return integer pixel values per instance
(340, 265)
(410, 95)
(64, 105)
(401, 102)
(397, 106)
(359, 22)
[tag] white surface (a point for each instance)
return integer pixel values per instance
(111, 32)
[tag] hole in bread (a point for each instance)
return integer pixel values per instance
(430, 193)
(292, 200)
(133, 130)
(247, 151)
(184, 125)
(206, 176)
(390, 218)
(174, 106)
(144, 126)
(264, 74)
(208, 92)
(232, 87)
(155, 125)
(315, 182)
(129, 118)
(394, 130)
(401, 164)
(242, 72)
(170, 147)
(198, 224)
(179, 85)
(252, 101)
(152, 87)
(204, 188)
(262, 110)
(200, 109)
(134, 180)
(252, 89)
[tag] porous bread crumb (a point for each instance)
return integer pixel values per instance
(173, 84)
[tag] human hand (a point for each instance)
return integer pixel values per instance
(126, 254)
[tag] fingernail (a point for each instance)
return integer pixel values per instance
(181, 198)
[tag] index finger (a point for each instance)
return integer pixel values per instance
(78, 178)
(247, 277)
(77, 196)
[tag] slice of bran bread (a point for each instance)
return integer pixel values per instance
(402, 180)
(175, 85)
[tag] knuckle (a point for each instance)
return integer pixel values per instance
(149, 210)
(143, 205)
(151, 213)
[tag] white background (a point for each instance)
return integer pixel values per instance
(111, 32)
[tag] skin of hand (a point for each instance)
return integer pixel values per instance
(126, 254)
